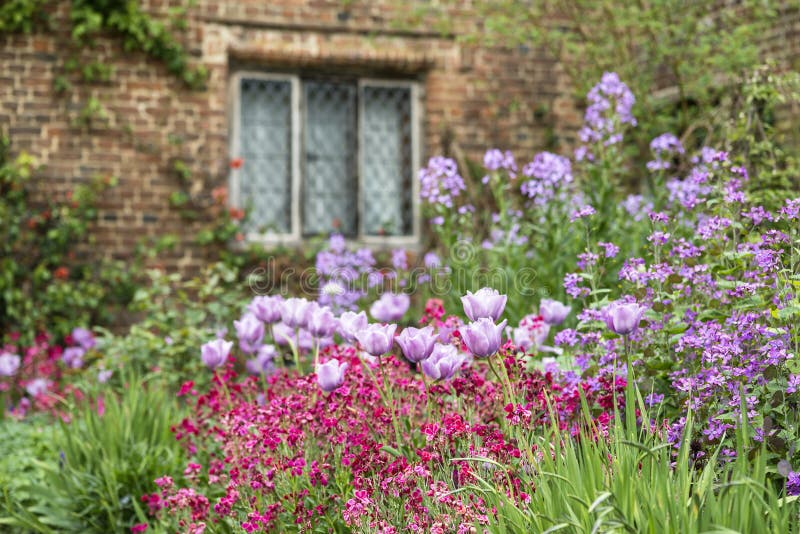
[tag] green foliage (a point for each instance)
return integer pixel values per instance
(21, 15)
(93, 470)
(42, 285)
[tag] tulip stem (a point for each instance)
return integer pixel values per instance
(391, 401)
(427, 391)
(499, 379)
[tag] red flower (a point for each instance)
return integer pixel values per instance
(236, 163)
(140, 527)
(61, 273)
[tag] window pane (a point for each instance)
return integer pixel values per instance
(386, 160)
(266, 146)
(329, 179)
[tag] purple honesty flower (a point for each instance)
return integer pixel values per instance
(585, 211)
(266, 308)
(390, 307)
(793, 384)
(377, 339)
(432, 260)
(444, 362)
(483, 337)
(294, 312)
(9, 364)
(104, 375)
(548, 172)
(215, 353)
(37, 386)
(793, 483)
(263, 363)
(84, 338)
(440, 181)
(553, 312)
(321, 322)
(400, 259)
(486, 302)
(350, 323)
(495, 159)
(73, 357)
(664, 148)
(623, 317)
(330, 375)
(250, 332)
(417, 343)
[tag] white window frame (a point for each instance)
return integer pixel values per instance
(295, 237)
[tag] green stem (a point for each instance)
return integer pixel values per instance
(391, 403)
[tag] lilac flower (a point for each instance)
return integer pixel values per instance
(432, 261)
(294, 312)
(444, 362)
(586, 211)
(486, 302)
(400, 259)
(84, 338)
(104, 375)
(73, 357)
(9, 364)
(377, 339)
(654, 399)
(321, 322)
(495, 159)
(390, 307)
(417, 343)
(548, 172)
(215, 353)
(440, 182)
(553, 312)
(572, 286)
(664, 148)
(793, 483)
(610, 106)
(250, 332)
(266, 308)
(37, 386)
(793, 384)
(483, 337)
(610, 249)
(636, 206)
(623, 317)
(330, 375)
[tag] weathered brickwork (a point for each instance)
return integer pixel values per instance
(474, 98)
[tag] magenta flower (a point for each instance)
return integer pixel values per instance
(294, 312)
(321, 321)
(390, 307)
(483, 337)
(623, 317)
(330, 375)
(73, 357)
(553, 312)
(250, 332)
(266, 308)
(417, 343)
(9, 364)
(485, 302)
(84, 338)
(350, 323)
(377, 339)
(444, 362)
(215, 353)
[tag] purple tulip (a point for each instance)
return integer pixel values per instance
(321, 322)
(282, 334)
(84, 338)
(37, 386)
(263, 363)
(266, 308)
(444, 362)
(377, 339)
(104, 375)
(9, 364)
(623, 317)
(330, 375)
(417, 343)
(553, 312)
(215, 353)
(73, 357)
(484, 303)
(483, 337)
(390, 307)
(294, 312)
(250, 332)
(350, 323)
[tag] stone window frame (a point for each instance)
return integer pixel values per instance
(295, 237)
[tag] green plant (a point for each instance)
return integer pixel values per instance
(106, 459)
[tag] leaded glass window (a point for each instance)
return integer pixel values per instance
(325, 155)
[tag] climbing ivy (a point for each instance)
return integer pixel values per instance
(125, 19)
